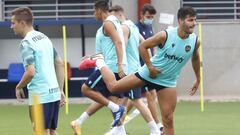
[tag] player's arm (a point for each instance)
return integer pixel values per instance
(157, 39)
(111, 31)
(126, 33)
(141, 39)
(27, 76)
(28, 61)
(196, 67)
(59, 69)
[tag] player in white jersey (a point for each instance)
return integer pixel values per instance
(175, 47)
(44, 71)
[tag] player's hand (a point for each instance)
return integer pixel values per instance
(153, 71)
(121, 73)
(63, 99)
(194, 88)
(20, 95)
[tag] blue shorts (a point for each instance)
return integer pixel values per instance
(150, 85)
(95, 82)
(134, 94)
(50, 114)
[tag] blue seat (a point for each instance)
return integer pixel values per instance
(15, 72)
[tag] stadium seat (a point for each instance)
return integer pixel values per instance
(15, 72)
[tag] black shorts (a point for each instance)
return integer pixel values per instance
(150, 85)
(146, 89)
(50, 114)
(134, 94)
(95, 82)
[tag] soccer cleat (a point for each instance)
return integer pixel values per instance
(161, 129)
(118, 115)
(89, 61)
(76, 128)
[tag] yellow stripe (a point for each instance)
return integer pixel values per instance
(65, 66)
(201, 67)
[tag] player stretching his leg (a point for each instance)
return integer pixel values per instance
(109, 42)
(175, 47)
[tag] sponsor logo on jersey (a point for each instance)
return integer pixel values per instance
(187, 48)
(173, 57)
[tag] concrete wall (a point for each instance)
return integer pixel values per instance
(130, 7)
(221, 63)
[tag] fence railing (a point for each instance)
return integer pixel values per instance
(50, 9)
(215, 10)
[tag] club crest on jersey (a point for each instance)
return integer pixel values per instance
(187, 48)
(173, 45)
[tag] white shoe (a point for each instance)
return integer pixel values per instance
(161, 129)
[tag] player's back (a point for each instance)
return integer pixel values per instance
(44, 81)
(105, 45)
(132, 46)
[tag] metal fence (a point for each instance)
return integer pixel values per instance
(215, 10)
(50, 9)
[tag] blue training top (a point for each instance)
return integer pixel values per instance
(37, 49)
(132, 47)
(171, 58)
(105, 45)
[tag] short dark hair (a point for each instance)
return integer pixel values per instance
(102, 4)
(23, 14)
(116, 8)
(149, 8)
(186, 10)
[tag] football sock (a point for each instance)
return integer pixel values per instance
(100, 63)
(82, 118)
(153, 126)
(114, 107)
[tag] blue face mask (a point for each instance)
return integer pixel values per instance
(147, 21)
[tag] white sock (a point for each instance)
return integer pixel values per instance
(153, 126)
(114, 107)
(100, 63)
(82, 118)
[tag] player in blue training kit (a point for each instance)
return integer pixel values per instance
(145, 28)
(132, 39)
(175, 47)
(40, 60)
(110, 43)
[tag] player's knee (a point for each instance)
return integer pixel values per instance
(111, 88)
(168, 120)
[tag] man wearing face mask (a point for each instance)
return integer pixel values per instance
(145, 23)
(145, 29)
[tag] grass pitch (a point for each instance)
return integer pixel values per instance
(218, 119)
